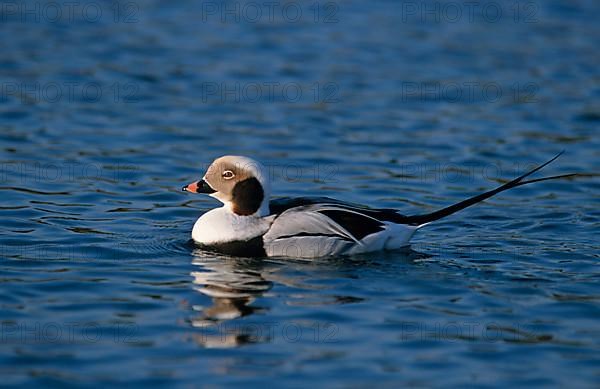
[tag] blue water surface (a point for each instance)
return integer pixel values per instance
(108, 108)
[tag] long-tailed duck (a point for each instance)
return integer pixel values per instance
(251, 224)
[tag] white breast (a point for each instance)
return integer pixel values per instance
(221, 225)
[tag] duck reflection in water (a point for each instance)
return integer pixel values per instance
(233, 284)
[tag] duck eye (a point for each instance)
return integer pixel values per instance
(228, 174)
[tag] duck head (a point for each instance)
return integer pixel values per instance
(240, 183)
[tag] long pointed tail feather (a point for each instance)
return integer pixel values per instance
(427, 218)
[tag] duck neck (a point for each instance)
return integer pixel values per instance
(262, 211)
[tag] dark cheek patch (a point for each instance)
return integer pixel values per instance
(247, 196)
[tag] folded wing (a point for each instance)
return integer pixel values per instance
(319, 229)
